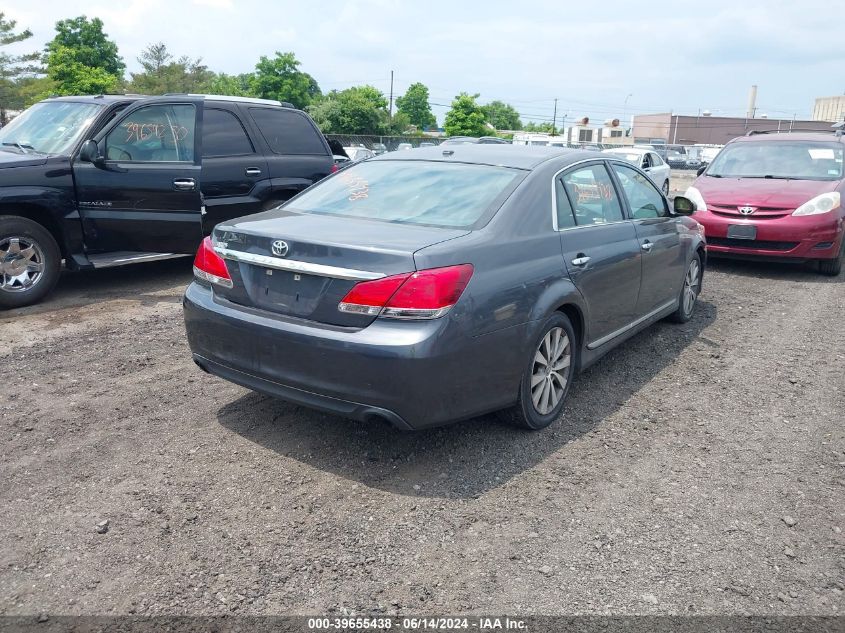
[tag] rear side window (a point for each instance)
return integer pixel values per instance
(223, 135)
(287, 131)
(452, 195)
(565, 216)
(593, 195)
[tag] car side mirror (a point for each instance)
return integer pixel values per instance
(90, 153)
(701, 170)
(683, 206)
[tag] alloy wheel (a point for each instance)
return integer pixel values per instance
(691, 286)
(550, 370)
(21, 264)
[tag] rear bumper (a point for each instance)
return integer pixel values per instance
(415, 374)
(786, 238)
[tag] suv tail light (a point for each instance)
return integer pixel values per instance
(210, 267)
(425, 294)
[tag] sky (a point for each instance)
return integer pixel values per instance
(609, 59)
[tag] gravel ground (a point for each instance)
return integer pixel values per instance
(698, 469)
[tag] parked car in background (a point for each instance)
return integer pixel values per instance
(427, 144)
(379, 148)
(648, 161)
(357, 152)
(776, 197)
(425, 287)
(675, 159)
(403, 147)
(692, 163)
(111, 180)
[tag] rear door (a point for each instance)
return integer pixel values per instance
(235, 179)
(144, 195)
(663, 263)
(297, 153)
(600, 248)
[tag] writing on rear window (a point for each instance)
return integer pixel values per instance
(358, 187)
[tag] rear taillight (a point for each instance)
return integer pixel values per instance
(334, 168)
(210, 267)
(425, 294)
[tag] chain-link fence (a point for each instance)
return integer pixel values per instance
(384, 143)
(391, 143)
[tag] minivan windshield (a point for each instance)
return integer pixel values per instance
(453, 195)
(796, 160)
(49, 127)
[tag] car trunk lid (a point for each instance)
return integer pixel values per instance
(302, 265)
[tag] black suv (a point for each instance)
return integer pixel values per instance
(108, 180)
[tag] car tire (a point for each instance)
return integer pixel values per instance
(833, 267)
(666, 188)
(541, 394)
(690, 289)
(30, 262)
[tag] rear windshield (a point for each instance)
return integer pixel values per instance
(450, 195)
(798, 160)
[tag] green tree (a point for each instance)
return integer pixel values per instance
(234, 85)
(356, 110)
(466, 118)
(414, 104)
(542, 128)
(280, 78)
(502, 116)
(162, 74)
(82, 60)
(90, 45)
(14, 69)
(72, 77)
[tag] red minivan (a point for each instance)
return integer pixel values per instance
(775, 196)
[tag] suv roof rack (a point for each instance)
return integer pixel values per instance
(255, 100)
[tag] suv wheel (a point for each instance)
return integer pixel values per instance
(690, 290)
(548, 375)
(30, 262)
(833, 267)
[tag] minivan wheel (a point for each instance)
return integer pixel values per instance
(547, 376)
(666, 188)
(833, 267)
(690, 290)
(30, 262)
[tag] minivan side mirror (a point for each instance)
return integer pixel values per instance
(701, 170)
(683, 206)
(90, 153)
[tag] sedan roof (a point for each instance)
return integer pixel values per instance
(515, 156)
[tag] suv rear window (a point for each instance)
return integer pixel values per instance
(288, 131)
(449, 195)
(799, 160)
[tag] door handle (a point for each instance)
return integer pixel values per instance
(252, 171)
(647, 246)
(581, 260)
(184, 184)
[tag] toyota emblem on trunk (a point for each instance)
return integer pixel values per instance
(745, 210)
(280, 248)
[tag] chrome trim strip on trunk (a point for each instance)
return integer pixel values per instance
(672, 304)
(295, 266)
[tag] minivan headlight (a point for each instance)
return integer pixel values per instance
(695, 195)
(824, 203)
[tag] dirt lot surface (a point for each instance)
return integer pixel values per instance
(698, 469)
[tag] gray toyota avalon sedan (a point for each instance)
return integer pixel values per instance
(427, 286)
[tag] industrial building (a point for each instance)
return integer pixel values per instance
(830, 109)
(705, 129)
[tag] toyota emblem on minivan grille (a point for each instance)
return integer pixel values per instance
(745, 210)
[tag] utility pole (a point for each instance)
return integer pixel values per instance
(554, 119)
(390, 111)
